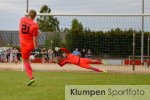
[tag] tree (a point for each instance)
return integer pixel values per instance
(56, 40)
(48, 23)
(74, 35)
(76, 26)
(52, 40)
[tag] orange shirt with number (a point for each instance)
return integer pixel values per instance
(28, 29)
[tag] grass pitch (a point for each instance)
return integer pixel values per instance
(51, 85)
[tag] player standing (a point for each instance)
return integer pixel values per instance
(28, 40)
(82, 62)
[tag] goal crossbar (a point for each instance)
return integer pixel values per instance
(68, 14)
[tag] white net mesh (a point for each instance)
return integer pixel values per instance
(109, 37)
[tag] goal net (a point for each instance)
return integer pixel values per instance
(105, 37)
(108, 37)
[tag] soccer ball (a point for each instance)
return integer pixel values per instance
(31, 57)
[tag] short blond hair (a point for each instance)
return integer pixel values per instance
(32, 13)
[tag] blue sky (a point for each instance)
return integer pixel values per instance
(12, 10)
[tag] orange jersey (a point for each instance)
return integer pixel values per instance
(71, 59)
(28, 29)
(82, 62)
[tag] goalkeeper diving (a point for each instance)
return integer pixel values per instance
(68, 57)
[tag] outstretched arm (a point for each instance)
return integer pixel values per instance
(62, 49)
(65, 50)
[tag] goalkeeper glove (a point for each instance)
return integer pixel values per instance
(57, 48)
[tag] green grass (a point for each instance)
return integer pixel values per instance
(51, 85)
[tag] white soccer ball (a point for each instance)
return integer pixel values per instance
(32, 57)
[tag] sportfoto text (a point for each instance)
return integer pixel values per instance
(108, 92)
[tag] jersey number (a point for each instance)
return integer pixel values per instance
(25, 29)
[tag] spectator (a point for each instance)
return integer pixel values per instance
(11, 55)
(44, 55)
(76, 52)
(3, 56)
(50, 55)
(18, 55)
(83, 53)
(0, 56)
(56, 53)
(89, 54)
(14, 53)
(8, 55)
